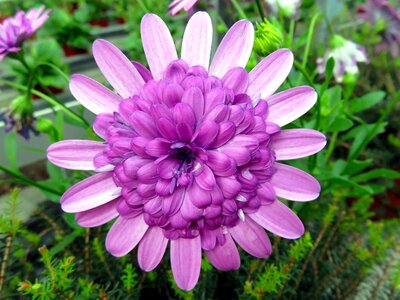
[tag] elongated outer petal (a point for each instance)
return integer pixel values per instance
(97, 216)
(291, 104)
(197, 39)
(117, 68)
(158, 44)
(234, 50)
(252, 238)
(279, 219)
(186, 262)
(93, 95)
(90, 193)
(296, 143)
(294, 184)
(125, 234)
(151, 249)
(269, 74)
(225, 257)
(74, 154)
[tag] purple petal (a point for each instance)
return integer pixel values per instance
(185, 132)
(197, 39)
(293, 184)
(269, 74)
(252, 238)
(183, 113)
(93, 95)
(225, 257)
(172, 203)
(143, 124)
(236, 79)
(186, 262)
(234, 49)
(226, 132)
(148, 173)
(90, 193)
(97, 216)
(146, 74)
(125, 234)
(229, 186)
(207, 132)
(220, 163)
(158, 44)
(200, 197)
(158, 147)
(279, 219)
(117, 68)
(74, 154)
(151, 249)
(297, 143)
(291, 104)
(101, 124)
(206, 179)
(194, 97)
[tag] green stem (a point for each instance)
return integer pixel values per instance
(309, 39)
(332, 144)
(260, 10)
(55, 68)
(304, 72)
(50, 100)
(28, 181)
(291, 33)
(240, 11)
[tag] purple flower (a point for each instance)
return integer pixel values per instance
(177, 5)
(380, 10)
(191, 150)
(346, 55)
(16, 30)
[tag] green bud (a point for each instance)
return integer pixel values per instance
(21, 106)
(337, 41)
(268, 38)
(350, 79)
(44, 125)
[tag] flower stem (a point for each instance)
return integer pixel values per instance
(28, 181)
(260, 10)
(50, 100)
(55, 68)
(240, 11)
(309, 39)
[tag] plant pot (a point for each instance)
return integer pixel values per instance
(70, 51)
(99, 23)
(120, 20)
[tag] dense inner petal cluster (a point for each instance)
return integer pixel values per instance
(190, 152)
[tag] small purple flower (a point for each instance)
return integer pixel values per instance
(380, 10)
(16, 30)
(23, 124)
(192, 149)
(346, 55)
(177, 5)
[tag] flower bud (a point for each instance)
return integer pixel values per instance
(268, 38)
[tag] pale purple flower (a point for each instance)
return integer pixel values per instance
(289, 8)
(17, 29)
(177, 5)
(192, 149)
(346, 54)
(380, 10)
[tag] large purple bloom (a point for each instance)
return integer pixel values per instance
(191, 150)
(15, 30)
(376, 10)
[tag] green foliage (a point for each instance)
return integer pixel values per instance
(301, 247)
(129, 279)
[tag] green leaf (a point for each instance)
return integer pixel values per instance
(356, 166)
(10, 149)
(366, 101)
(364, 136)
(377, 173)
(340, 124)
